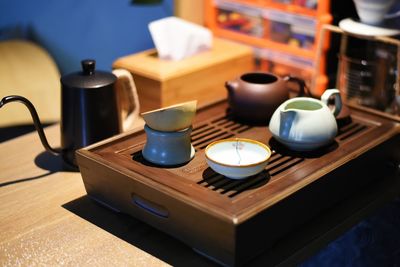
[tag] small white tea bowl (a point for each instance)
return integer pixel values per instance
(237, 158)
(172, 118)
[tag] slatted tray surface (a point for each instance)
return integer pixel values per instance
(286, 172)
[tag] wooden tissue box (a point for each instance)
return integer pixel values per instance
(162, 83)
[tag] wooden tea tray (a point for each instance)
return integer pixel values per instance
(232, 221)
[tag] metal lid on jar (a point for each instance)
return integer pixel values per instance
(89, 77)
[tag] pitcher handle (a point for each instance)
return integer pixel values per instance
(338, 100)
(127, 99)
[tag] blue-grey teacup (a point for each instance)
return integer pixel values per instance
(168, 148)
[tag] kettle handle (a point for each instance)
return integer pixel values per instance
(338, 100)
(127, 99)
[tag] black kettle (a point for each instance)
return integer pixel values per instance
(95, 105)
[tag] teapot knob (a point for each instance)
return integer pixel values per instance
(88, 66)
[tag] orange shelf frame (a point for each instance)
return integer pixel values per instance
(320, 15)
(211, 14)
(322, 9)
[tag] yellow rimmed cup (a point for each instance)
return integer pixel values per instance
(237, 158)
(172, 118)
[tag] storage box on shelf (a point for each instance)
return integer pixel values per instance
(289, 28)
(202, 77)
(306, 7)
(301, 67)
(283, 64)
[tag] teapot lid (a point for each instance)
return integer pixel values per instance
(88, 77)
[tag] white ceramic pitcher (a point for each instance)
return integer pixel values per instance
(304, 123)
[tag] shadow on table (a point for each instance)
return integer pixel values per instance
(320, 241)
(137, 233)
(45, 161)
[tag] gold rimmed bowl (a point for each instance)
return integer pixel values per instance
(237, 158)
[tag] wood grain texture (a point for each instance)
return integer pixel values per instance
(47, 219)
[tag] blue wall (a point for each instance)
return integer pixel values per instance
(72, 30)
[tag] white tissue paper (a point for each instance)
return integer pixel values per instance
(176, 39)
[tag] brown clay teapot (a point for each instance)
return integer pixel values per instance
(254, 96)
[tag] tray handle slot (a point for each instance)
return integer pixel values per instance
(150, 206)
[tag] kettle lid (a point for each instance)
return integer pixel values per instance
(88, 77)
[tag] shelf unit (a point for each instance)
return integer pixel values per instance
(283, 34)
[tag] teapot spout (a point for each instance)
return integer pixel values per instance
(286, 122)
(231, 86)
(35, 118)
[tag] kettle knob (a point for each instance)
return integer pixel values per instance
(88, 66)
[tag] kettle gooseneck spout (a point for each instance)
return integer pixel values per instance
(287, 118)
(35, 118)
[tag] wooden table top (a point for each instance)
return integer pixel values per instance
(47, 218)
